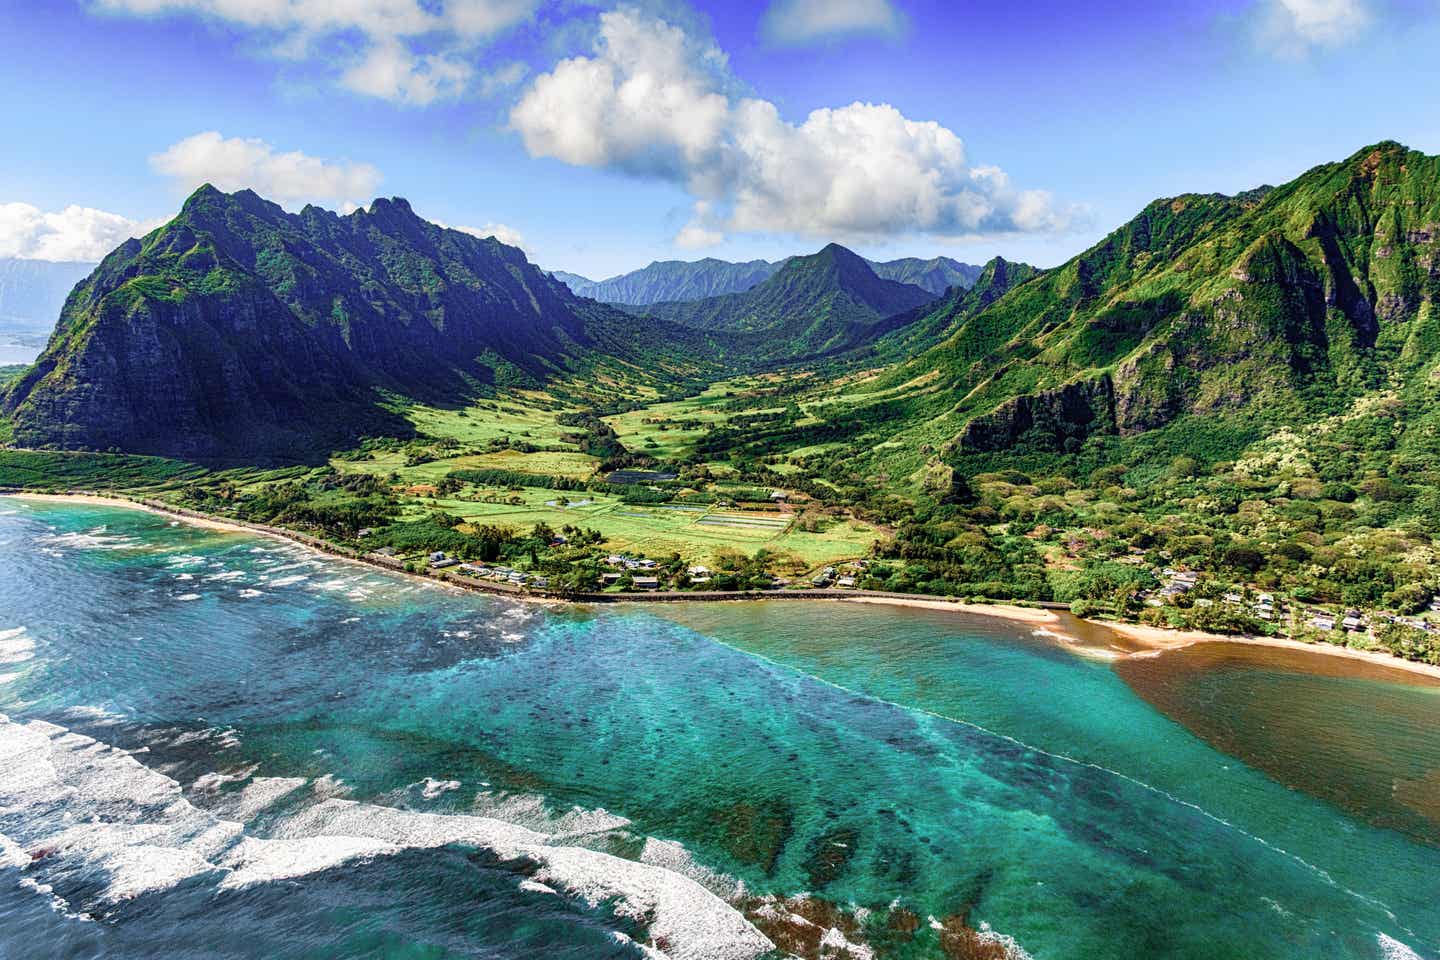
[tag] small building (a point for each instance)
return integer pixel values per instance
(609, 579)
(439, 561)
(1353, 622)
(1323, 621)
(645, 583)
(779, 496)
(846, 582)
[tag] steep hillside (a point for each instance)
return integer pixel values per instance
(240, 330)
(1281, 305)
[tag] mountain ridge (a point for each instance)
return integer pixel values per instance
(675, 280)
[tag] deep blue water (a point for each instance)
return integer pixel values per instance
(868, 756)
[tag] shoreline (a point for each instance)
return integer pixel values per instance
(1074, 634)
(1157, 640)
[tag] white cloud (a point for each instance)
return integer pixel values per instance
(799, 22)
(1295, 27)
(75, 233)
(391, 72)
(503, 78)
(656, 101)
(235, 163)
(505, 234)
(409, 52)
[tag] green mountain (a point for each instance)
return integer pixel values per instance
(936, 275)
(828, 302)
(673, 280)
(1219, 317)
(667, 280)
(240, 330)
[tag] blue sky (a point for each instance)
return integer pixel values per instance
(606, 135)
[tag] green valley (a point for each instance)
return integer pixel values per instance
(1225, 415)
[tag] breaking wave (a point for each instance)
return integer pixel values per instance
(78, 814)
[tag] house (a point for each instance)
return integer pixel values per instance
(386, 551)
(474, 569)
(1323, 621)
(699, 574)
(609, 579)
(645, 583)
(438, 560)
(615, 560)
(779, 496)
(364, 531)
(1233, 599)
(1353, 622)
(847, 582)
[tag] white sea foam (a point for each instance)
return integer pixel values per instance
(694, 922)
(96, 539)
(16, 646)
(250, 594)
(225, 576)
(430, 788)
(188, 596)
(185, 560)
(288, 581)
(258, 795)
(1392, 949)
(84, 804)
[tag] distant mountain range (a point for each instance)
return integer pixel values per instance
(670, 280)
(828, 302)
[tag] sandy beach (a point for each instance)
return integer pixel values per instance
(1155, 639)
(1007, 611)
(207, 523)
(1094, 639)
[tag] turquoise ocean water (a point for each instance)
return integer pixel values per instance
(219, 745)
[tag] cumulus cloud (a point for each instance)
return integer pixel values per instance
(656, 101)
(235, 163)
(409, 51)
(75, 233)
(800, 22)
(505, 234)
(1295, 27)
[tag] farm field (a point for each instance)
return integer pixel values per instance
(656, 530)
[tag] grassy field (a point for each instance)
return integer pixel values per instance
(485, 435)
(657, 530)
(669, 430)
